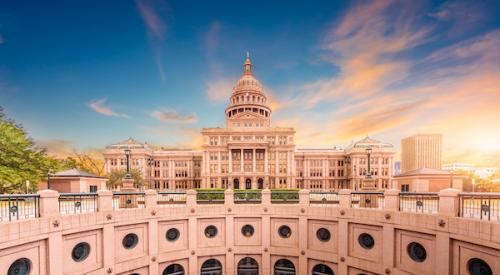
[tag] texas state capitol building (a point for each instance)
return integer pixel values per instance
(250, 153)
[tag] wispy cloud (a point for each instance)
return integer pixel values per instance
(154, 15)
(172, 116)
(98, 107)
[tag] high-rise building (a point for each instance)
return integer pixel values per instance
(421, 151)
(250, 153)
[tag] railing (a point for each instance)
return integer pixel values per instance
(367, 200)
(210, 196)
(284, 196)
(75, 203)
(247, 196)
(128, 200)
(324, 197)
(419, 202)
(484, 206)
(169, 198)
(17, 207)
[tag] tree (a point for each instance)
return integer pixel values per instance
(20, 158)
(116, 176)
(90, 161)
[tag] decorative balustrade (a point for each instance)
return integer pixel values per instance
(210, 196)
(484, 206)
(171, 198)
(74, 203)
(284, 196)
(128, 200)
(324, 198)
(419, 202)
(367, 199)
(16, 207)
(247, 196)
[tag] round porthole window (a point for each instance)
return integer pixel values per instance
(21, 266)
(210, 231)
(323, 234)
(130, 241)
(80, 252)
(416, 252)
(478, 267)
(247, 230)
(172, 234)
(366, 240)
(284, 231)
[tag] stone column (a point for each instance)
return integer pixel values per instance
(190, 198)
(304, 197)
(345, 198)
(104, 200)
(150, 198)
(241, 162)
(230, 161)
(49, 203)
(449, 202)
(229, 198)
(253, 161)
(391, 199)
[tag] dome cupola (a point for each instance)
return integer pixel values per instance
(248, 103)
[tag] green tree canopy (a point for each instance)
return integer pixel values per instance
(20, 158)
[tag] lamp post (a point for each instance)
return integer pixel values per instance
(127, 155)
(369, 172)
(48, 178)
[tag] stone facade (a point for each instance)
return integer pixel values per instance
(250, 153)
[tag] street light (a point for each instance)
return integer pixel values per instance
(127, 155)
(369, 172)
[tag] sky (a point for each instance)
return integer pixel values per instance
(84, 74)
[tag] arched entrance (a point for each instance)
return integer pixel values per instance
(211, 267)
(284, 267)
(236, 184)
(260, 183)
(248, 184)
(173, 269)
(248, 266)
(321, 269)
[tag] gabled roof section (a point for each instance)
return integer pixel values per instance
(75, 173)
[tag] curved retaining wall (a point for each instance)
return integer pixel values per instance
(450, 242)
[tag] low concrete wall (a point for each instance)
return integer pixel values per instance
(450, 242)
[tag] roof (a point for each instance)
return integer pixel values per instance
(75, 173)
(369, 142)
(128, 143)
(424, 171)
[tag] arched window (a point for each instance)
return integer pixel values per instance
(321, 269)
(211, 267)
(173, 269)
(284, 267)
(248, 266)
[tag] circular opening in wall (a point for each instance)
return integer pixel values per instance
(478, 267)
(21, 266)
(247, 230)
(210, 231)
(323, 234)
(80, 252)
(284, 231)
(366, 240)
(172, 234)
(416, 252)
(130, 241)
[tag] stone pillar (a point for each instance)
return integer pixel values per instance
(49, 203)
(104, 200)
(230, 162)
(150, 198)
(304, 197)
(345, 198)
(391, 199)
(266, 197)
(266, 163)
(253, 161)
(449, 202)
(241, 162)
(190, 198)
(229, 198)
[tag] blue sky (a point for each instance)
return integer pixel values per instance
(83, 74)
